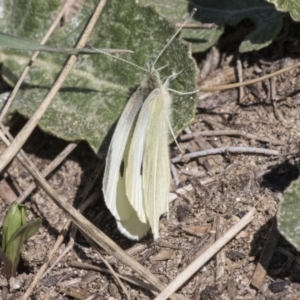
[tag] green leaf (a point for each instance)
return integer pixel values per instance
(288, 215)
(267, 21)
(16, 243)
(15, 232)
(95, 93)
(291, 6)
(13, 220)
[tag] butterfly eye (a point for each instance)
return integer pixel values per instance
(122, 167)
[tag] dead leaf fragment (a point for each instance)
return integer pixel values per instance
(163, 254)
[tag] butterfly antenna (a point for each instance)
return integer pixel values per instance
(176, 33)
(115, 57)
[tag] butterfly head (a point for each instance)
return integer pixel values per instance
(151, 79)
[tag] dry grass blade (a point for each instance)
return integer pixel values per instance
(235, 85)
(232, 132)
(23, 135)
(205, 257)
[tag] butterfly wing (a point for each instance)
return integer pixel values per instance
(134, 188)
(114, 175)
(156, 163)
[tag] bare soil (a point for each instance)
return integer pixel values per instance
(223, 188)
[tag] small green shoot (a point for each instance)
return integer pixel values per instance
(15, 232)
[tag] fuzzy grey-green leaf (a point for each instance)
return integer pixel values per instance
(291, 6)
(289, 214)
(94, 95)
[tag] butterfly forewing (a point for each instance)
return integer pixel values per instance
(156, 164)
(134, 171)
(115, 155)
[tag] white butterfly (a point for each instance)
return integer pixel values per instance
(137, 175)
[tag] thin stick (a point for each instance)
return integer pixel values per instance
(197, 26)
(205, 257)
(220, 257)
(191, 253)
(224, 150)
(175, 175)
(240, 76)
(41, 272)
(231, 132)
(33, 58)
(252, 81)
(10, 152)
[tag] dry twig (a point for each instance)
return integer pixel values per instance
(215, 151)
(220, 257)
(206, 256)
(252, 81)
(232, 132)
